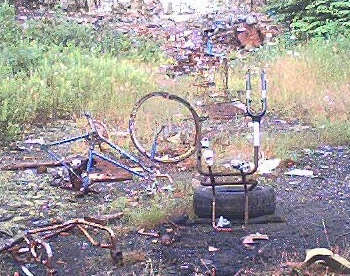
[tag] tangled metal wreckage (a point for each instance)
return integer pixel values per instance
(196, 48)
(34, 245)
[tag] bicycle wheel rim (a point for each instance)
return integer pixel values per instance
(138, 144)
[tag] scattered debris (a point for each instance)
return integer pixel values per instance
(31, 165)
(337, 263)
(300, 172)
(33, 246)
(250, 239)
(151, 234)
(225, 110)
(105, 219)
(223, 222)
(212, 249)
(267, 166)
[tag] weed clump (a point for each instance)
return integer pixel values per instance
(56, 68)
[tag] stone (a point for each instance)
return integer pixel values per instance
(251, 19)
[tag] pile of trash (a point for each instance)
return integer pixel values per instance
(201, 45)
(197, 39)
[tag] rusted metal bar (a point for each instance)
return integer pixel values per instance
(29, 165)
(219, 229)
(246, 215)
(203, 144)
(36, 244)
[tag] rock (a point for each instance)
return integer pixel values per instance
(166, 239)
(251, 19)
(180, 220)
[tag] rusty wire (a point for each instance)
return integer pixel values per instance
(36, 247)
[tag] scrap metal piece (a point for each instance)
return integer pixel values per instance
(35, 244)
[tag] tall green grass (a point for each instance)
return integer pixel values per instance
(55, 69)
(71, 81)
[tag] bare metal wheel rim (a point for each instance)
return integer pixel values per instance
(165, 158)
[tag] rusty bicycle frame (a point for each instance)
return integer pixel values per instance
(240, 171)
(94, 139)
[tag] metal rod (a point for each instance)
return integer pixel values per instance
(118, 164)
(246, 215)
(81, 137)
(213, 214)
(127, 155)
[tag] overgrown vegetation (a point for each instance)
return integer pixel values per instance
(311, 18)
(149, 211)
(309, 83)
(55, 68)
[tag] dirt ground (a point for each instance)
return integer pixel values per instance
(309, 206)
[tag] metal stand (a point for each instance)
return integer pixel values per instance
(241, 169)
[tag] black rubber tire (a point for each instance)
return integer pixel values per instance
(230, 202)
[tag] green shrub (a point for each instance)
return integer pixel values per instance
(64, 32)
(68, 82)
(312, 18)
(21, 58)
(55, 67)
(10, 32)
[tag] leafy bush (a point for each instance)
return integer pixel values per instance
(54, 68)
(22, 58)
(10, 32)
(312, 18)
(69, 82)
(60, 32)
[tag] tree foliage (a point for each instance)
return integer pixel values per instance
(313, 18)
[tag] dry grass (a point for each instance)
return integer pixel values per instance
(299, 90)
(159, 209)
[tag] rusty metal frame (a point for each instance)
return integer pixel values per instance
(34, 244)
(151, 154)
(94, 139)
(248, 184)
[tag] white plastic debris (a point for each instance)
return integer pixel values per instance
(223, 222)
(76, 163)
(208, 157)
(300, 172)
(39, 141)
(205, 143)
(212, 249)
(267, 166)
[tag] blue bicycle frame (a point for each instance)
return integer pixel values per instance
(95, 138)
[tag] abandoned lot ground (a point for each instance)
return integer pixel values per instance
(307, 205)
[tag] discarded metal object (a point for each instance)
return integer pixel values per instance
(325, 256)
(81, 173)
(104, 219)
(250, 239)
(150, 234)
(104, 171)
(204, 151)
(28, 248)
(30, 165)
(153, 154)
(225, 110)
